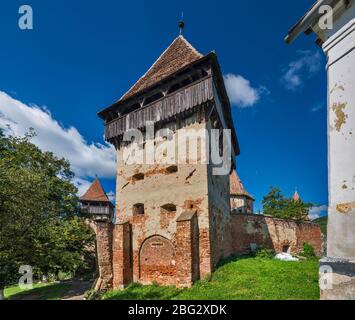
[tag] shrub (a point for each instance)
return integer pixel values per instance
(264, 253)
(308, 251)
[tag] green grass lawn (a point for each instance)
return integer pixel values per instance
(40, 291)
(239, 279)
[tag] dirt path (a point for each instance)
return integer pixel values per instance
(77, 290)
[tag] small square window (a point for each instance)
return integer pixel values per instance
(138, 209)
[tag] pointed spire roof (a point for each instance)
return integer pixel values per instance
(236, 186)
(296, 197)
(95, 193)
(179, 54)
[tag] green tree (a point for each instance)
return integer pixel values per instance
(275, 204)
(40, 221)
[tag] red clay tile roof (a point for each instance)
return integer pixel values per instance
(95, 193)
(178, 55)
(236, 186)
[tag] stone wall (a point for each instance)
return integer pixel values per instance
(277, 234)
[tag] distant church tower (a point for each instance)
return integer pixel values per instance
(173, 220)
(296, 197)
(241, 200)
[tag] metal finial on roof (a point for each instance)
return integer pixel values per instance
(182, 23)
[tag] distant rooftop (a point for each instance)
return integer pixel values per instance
(95, 193)
(309, 19)
(237, 187)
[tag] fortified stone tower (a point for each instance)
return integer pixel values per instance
(173, 217)
(101, 211)
(96, 202)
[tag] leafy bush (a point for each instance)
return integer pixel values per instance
(264, 253)
(93, 295)
(308, 251)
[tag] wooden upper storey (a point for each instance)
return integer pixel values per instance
(180, 81)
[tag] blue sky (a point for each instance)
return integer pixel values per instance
(83, 55)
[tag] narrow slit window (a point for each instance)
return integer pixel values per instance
(172, 169)
(138, 177)
(169, 207)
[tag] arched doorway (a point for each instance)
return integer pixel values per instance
(157, 261)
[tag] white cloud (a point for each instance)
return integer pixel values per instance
(87, 159)
(317, 212)
(307, 65)
(112, 196)
(240, 91)
(317, 107)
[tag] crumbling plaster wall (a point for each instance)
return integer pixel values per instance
(187, 189)
(219, 215)
(341, 136)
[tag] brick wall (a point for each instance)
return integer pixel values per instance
(122, 256)
(157, 261)
(187, 250)
(273, 233)
(104, 253)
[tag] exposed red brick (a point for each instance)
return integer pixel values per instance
(157, 261)
(273, 233)
(187, 251)
(122, 259)
(104, 253)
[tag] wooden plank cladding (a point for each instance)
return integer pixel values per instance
(163, 109)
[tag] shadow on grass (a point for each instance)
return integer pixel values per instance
(53, 291)
(139, 292)
(233, 258)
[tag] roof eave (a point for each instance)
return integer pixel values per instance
(226, 100)
(307, 21)
(247, 195)
(102, 114)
